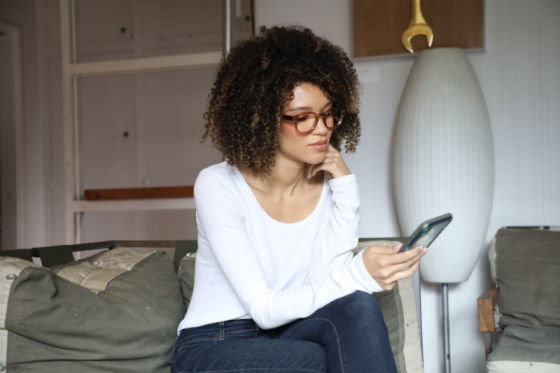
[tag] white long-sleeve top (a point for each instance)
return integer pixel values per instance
(250, 265)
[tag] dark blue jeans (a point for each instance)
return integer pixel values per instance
(347, 335)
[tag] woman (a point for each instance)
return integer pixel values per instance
(277, 287)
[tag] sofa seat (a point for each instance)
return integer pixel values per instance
(118, 309)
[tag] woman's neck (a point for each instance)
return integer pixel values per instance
(286, 194)
(286, 178)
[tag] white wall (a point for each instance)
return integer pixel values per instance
(35, 150)
(519, 72)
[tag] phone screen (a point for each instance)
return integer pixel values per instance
(427, 232)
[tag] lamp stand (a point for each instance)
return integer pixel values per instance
(445, 321)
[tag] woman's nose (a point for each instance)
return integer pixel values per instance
(321, 127)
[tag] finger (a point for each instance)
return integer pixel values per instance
(334, 163)
(324, 166)
(403, 267)
(390, 267)
(408, 255)
(403, 274)
(311, 171)
(316, 168)
(388, 258)
(380, 249)
(409, 272)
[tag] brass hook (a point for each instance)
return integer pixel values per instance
(417, 26)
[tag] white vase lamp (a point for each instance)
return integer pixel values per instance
(443, 161)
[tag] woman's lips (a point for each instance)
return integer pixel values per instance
(319, 145)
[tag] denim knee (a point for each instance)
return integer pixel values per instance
(357, 304)
(352, 330)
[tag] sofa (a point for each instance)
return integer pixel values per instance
(114, 306)
(520, 314)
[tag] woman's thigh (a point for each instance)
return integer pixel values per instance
(238, 346)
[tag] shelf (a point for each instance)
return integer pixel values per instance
(134, 205)
(139, 193)
(145, 64)
(136, 199)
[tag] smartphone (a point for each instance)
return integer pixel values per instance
(427, 232)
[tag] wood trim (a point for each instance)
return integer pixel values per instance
(67, 119)
(146, 64)
(486, 304)
(147, 204)
(139, 193)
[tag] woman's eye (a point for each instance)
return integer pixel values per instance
(302, 118)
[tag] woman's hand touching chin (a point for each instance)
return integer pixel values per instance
(333, 164)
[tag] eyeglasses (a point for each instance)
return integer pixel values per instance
(306, 122)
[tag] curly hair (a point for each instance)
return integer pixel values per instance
(257, 78)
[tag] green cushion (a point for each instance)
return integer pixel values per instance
(527, 268)
(186, 276)
(126, 323)
(521, 343)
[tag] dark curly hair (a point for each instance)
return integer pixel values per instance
(257, 78)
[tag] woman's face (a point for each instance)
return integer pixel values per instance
(310, 148)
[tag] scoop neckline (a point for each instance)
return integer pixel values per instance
(254, 200)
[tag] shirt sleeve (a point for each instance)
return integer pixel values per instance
(340, 236)
(220, 211)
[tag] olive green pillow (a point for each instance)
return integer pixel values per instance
(525, 265)
(186, 276)
(117, 311)
(521, 343)
(526, 269)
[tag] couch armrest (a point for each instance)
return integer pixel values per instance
(486, 303)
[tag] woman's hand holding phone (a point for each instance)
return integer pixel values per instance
(386, 265)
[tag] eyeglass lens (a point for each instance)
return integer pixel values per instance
(306, 122)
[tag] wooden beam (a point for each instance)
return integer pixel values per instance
(486, 303)
(139, 193)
